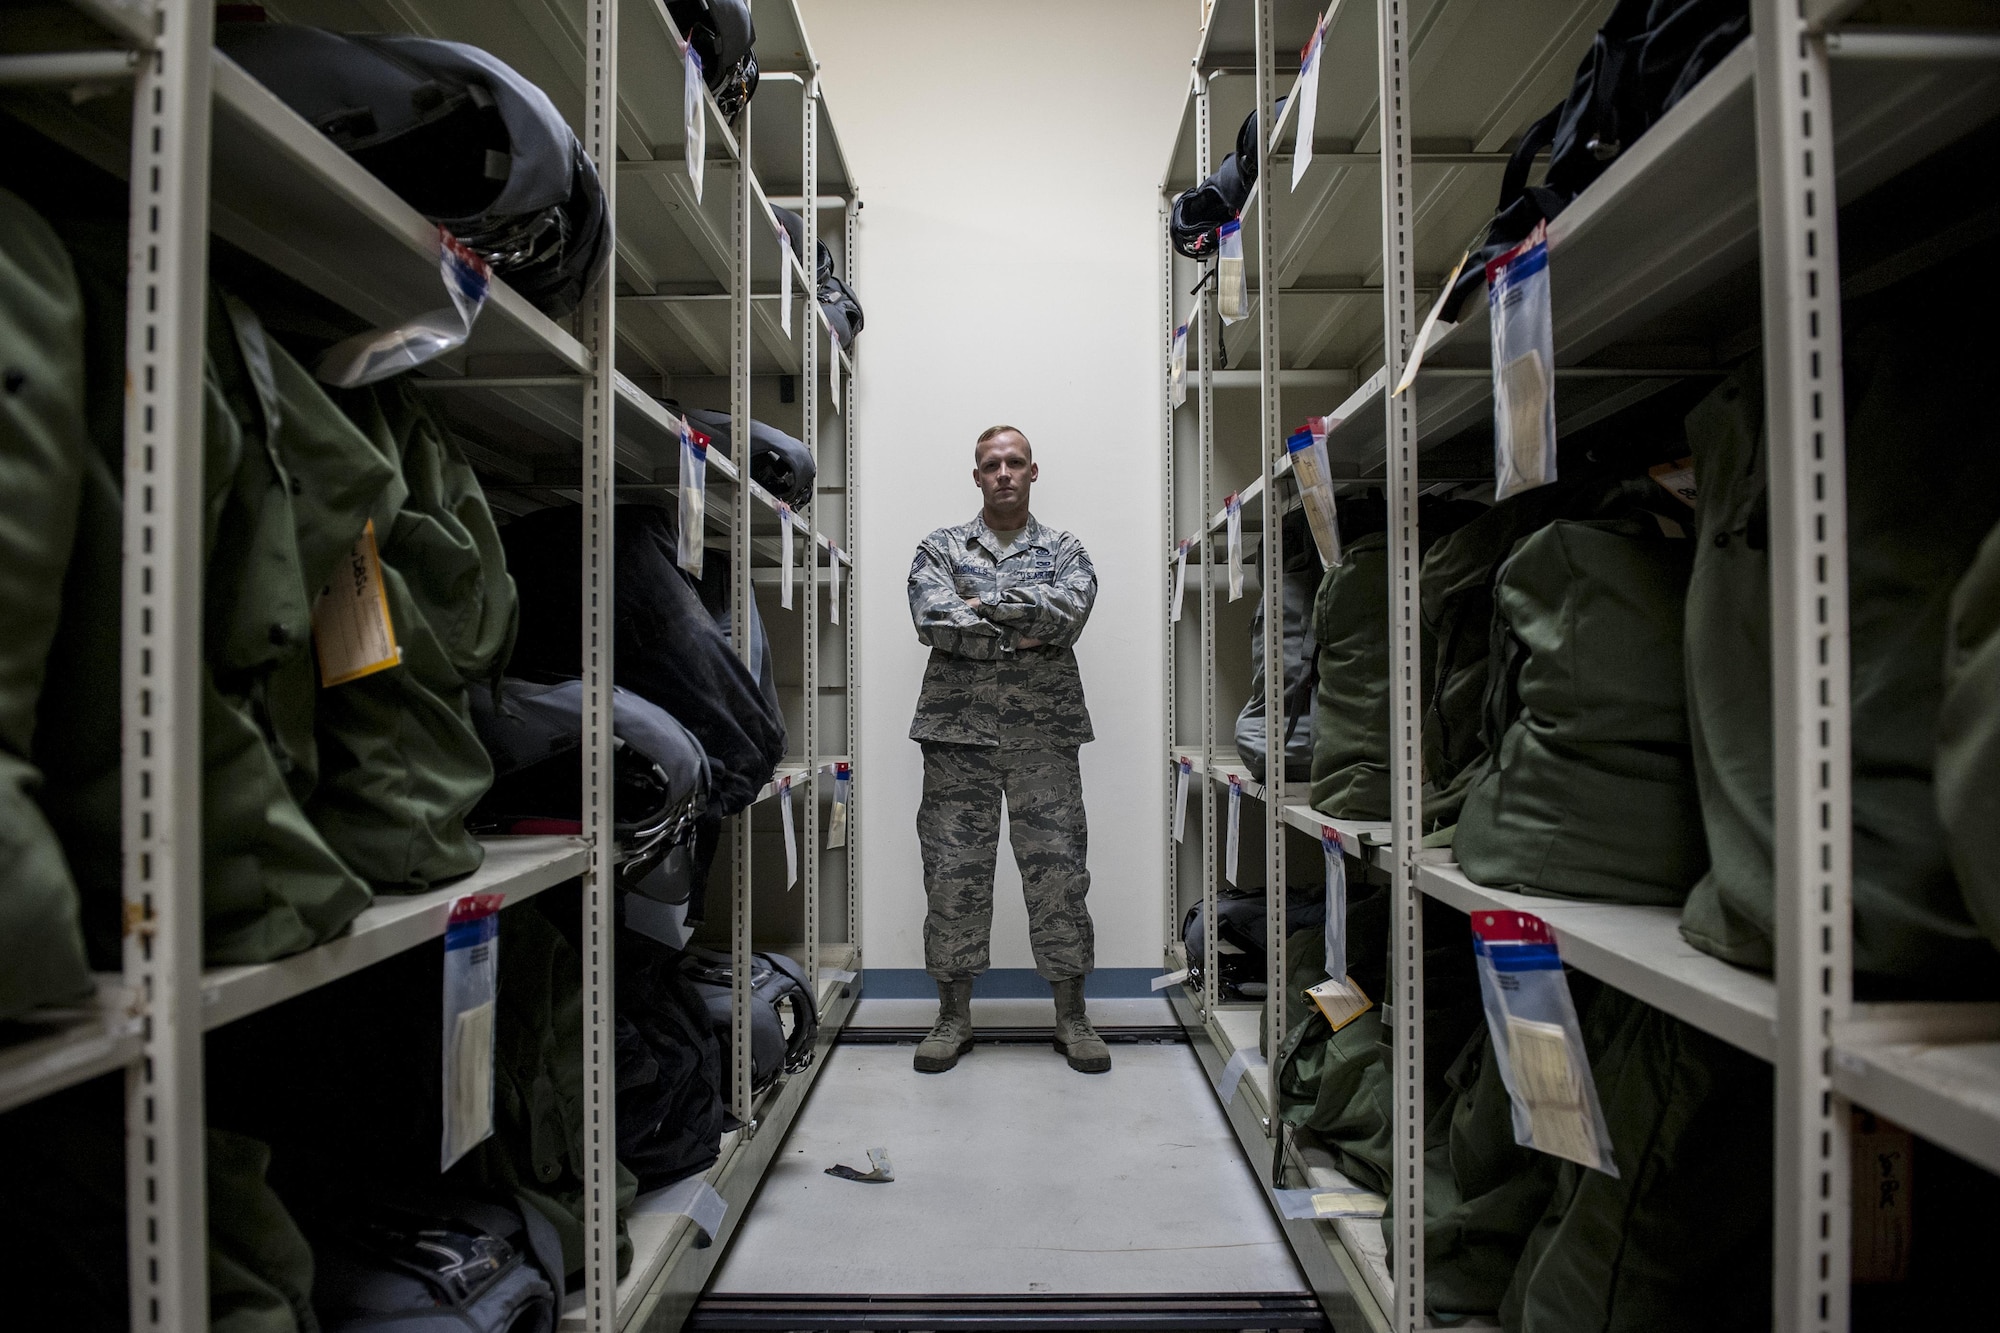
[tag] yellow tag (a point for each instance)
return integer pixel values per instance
(1548, 1080)
(1348, 1203)
(1526, 381)
(1341, 1001)
(471, 1091)
(1678, 478)
(836, 826)
(1883, 1157)
(351, 618)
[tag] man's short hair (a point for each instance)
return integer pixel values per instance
(991, 431)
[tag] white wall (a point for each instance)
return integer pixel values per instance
(1009, 155)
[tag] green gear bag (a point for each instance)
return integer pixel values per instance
(537, 1150)
(1680, 1239)
(1590, 790)
(43, 446)
(1968, 758)
(1350, 765)
(260, 1268)
(400, 763)
(1923, 472)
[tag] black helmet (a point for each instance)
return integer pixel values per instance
(455, 132)
(723, 34)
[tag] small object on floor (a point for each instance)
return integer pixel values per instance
(1075, 1037)
(878, 1158)
(951, 1037)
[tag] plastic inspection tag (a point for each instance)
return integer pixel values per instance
(350, 618)
(694, 498)
(836, 823)
(1183, 774)
(1235, 827)
(791, 834)
(693, 1198)
(1302, 144)
(833, 366)
(785, 576)
(471, 987)
(1166, 979)
(1424, 334)
(694, 124)
(380, 353)
(1327, 1204)
(1307, 448)
(1524, 359)
(1241, 1063)
(1232, 283)
(1232, 510)
(1537, 1041)
(1177, 369)
(1180, 581)
(1336, 903)
(833, 582)
(784, 277)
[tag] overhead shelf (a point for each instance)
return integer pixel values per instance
(56, 1049)
(516, 868)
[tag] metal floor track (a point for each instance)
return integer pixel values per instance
(807, 1313)
(1165, 1034)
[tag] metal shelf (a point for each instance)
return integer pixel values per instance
(70, 1045)
(1947, 1092)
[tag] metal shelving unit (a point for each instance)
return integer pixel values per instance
(1653, 271)
(549, 413)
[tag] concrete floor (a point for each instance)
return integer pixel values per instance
(1014, 1174)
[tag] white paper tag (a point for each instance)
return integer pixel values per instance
(471, 991)
(1302, 145)
(694, 123)
(1423, 341)
(785, 555)
(1241, 1063)
(1232, 292)
(1233, 520)
(1182, 772)
(1314, 1205)
(471, 1087)
(1546, 1075)
(1235, 825)
(693, 1198)
(784, 277)
(350, 617)
(836, 824)
(1177, 374)
(1166, 979)
(833, 577)
(1180, 581)
(791, 835)
(1336, 903)
(1678, 479)
(694, 499)
(833, 367)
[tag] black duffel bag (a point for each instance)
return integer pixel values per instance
(1200, 212)
(670, 649)
(780, 464)
(775, 982)
(534, 734)
(1243, 939)
(438, 1266)
(671, 1088)
(835, 297)
(722, 34)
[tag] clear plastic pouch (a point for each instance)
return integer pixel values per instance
(1235, 828)
(1232, 291)
(1524, 361)
(836, 821)
(1180, 581)
(1537, 1041)
(471, 990)
(694, 498)
(380, 353)
(694, 124)
(1232, 509)
(1177, 368)
(1183, 774)
(1307, 447)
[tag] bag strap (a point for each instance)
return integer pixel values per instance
(1514, 182)
(545, 1245)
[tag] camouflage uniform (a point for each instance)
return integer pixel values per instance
(995, 718)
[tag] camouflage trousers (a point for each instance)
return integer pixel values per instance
(958, 828)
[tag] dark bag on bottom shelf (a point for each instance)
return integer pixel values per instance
(1301, 578)
(777, 989)
(1968, 760)
(1245, 930)
(44, 450)
(1923, 469)
(438, 1266)
(1589, 789)
(1680, 1239)
(672, 1107)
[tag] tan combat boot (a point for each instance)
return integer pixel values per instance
(952, 1036)
(1075, 1037)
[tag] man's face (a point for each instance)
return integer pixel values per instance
(1004, 471)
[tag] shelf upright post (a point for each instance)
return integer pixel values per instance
(1211, 987)
(741, 220)
(1171, 897)
(1270, 446)
(1806, 422)
(850, 631)
(600, 1059)
(1406, 936)
(160, 669)
(809, 327)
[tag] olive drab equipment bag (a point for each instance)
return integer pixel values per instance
(1968, 759)
(1301, 580)
(1588, 790)
(1923, 492)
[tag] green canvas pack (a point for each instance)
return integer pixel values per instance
(1923, 491)
(1589, 791)
(260, 1267)
(1681, 1238)
(1350, 767)
(1968, 758)
(43, 446)
(400, 765)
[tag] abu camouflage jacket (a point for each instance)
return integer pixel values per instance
(982, 687)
